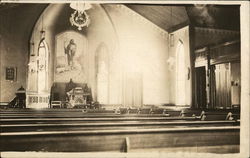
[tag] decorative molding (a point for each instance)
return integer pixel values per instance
(217, 46)
(137, 16)
(225, 44)
(77, 19)
(201, 50)
(216, 31)
(200, 63)
(225, 52)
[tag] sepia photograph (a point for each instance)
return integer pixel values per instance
(124, 79)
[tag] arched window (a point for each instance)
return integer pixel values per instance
(180, 74)
(42, 64)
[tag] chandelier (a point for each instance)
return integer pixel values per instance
(79, 17)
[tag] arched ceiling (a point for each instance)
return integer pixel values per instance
(165, 16)
(214, 16)
(19, 19)
(172, 17)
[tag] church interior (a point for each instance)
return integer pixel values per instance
(121, 77)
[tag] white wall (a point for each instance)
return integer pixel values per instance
(183, 35)
(143, 50)
(134, 45)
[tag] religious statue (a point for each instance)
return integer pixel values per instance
(70, 51)
(70, 86)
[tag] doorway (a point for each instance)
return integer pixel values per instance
(200, 87)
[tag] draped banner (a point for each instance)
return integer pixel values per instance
(223, 85)
(132, 89)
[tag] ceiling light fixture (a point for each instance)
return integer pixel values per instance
(79, 17)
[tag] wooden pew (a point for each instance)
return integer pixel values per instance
(142, 111)
(78, 115)
(190, 112)
(28, 127)
(76, 131)
(218, 116)
(123, 110)
(96, 111)
(212, 114)
(145, 111)
(4, 105)
(208, 115)
(158, 111)
(133, 110)
(91, 119)
(117, 140)
(233, 116)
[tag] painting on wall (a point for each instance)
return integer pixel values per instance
(11, 73)
(70, 57)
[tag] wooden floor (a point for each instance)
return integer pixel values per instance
(176, 153)
(74, 130)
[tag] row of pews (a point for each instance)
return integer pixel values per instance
(119, 130)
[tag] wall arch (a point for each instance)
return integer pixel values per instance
(102, 70)
(43, 67)
(38, 76)
(53, 22)
(180, 74)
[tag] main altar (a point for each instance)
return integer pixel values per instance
(70, 95)
(78, 97)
